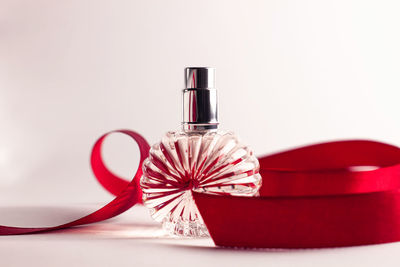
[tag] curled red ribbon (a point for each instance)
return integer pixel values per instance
(127, 193)
(311, 197)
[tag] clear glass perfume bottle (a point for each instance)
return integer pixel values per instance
(197, 158)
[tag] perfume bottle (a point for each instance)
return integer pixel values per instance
(199, 157)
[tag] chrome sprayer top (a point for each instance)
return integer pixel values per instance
(200, 108)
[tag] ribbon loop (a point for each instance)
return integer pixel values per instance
(127, 193)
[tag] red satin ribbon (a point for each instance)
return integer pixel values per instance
(127, 193)
(311, 197)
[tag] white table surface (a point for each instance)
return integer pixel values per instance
(133, 239)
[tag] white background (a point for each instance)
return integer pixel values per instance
(288, 73)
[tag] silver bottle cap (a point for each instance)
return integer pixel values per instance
(200, 111)
(200, 78)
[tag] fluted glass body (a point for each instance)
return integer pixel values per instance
(213, 162)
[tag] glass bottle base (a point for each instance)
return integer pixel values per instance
(182, 228)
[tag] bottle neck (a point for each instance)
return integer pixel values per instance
(200, 108)
(199, 127)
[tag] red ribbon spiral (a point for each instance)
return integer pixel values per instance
(312, 196)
